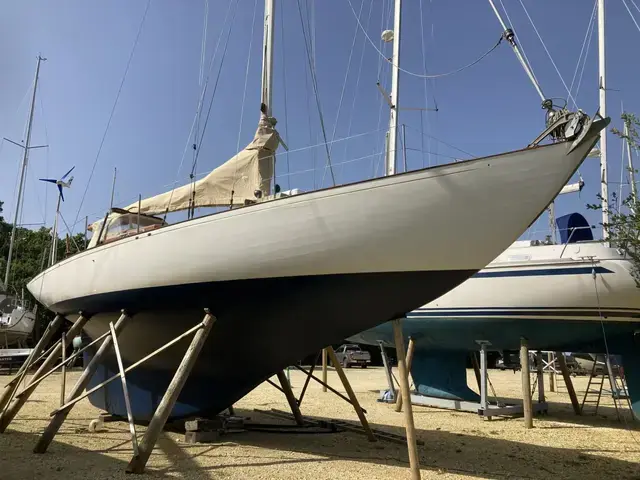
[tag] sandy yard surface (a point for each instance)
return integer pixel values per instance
(457, 445)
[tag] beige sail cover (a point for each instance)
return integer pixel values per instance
(250, 170)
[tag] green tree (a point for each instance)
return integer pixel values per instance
(30, 255)
(623, 227)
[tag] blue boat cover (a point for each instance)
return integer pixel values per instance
(574, 228)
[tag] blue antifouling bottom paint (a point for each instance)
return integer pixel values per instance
(442, 374)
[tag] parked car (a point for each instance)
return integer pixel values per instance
(351, 354)
(508, 361)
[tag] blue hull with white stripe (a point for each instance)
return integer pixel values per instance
(580, 298)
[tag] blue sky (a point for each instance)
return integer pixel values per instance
(489, 108)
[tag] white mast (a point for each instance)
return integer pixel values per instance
(267, 55)
(25, 161)
(604, 185)
(395, 77)
(267, 63)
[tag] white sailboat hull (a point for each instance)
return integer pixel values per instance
(418, 221)
(579, 297)
(559, 297)
(579, 281)
(16, 327)
(290, 276)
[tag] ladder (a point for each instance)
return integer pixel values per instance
(619, 391)
(593, 393)
(595, 386)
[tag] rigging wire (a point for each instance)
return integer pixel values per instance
(442, 141)
(432, 129)
(622, 169)
(283, 43)
(584, 44)
(310, 47)
(357, 86)
(631, 14)
(426, 96)
(570, 96)
(520, 44)
(314, 83)
(113, 108)
(586, 55)
(308, 96)
(344, 87)
(203, 48)
(198, 117)
(311, 23)
(544, 45)
(198, 143)
(300, 172)
(301, 149)
(419, 75)
(14, 194)
(199, 106)
(595, 285)
(70, 232)
(244, 95)
(30, 172)
(509, 34)
(46, 161)
(35, 183)
(436, 154)
(382, 10)
(383, 68)
(215, 88)
(604, 337)
(15, 183)
(21, 206)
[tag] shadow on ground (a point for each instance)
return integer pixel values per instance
(605, 417)
(479, 455)
(17, 462)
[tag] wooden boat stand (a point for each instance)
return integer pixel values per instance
(11, 402)
(373, 435)
(208, 430)
(11, 387)
(294, 404)
(405, 392)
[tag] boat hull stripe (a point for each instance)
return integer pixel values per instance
(539, 272)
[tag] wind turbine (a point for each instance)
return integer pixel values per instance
(61, 183)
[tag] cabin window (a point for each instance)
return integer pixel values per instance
(125, 225)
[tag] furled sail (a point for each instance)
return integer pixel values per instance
(231, 183)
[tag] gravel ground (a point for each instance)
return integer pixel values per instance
(457, 445)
